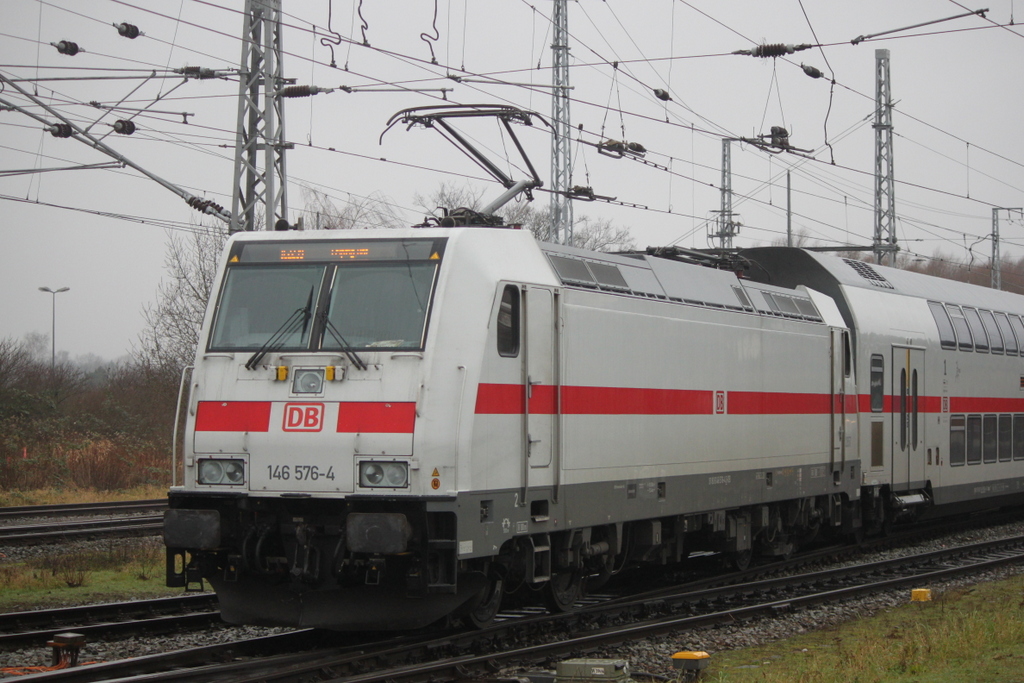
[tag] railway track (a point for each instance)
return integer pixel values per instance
(452, 656)
(145, 525)
(72, 509)
(80, 520)
(159, 615)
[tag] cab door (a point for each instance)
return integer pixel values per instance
(908, 460)
(540, 380)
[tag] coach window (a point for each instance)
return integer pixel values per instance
(1007, 332)
(989, 438)
(1018, 329)
(946, 334)
(977, 329)
(963, 332)
(957, 441)
(508, 322)
(1005, 438)
(1018, 437)
(996, 342)
(973, 439)
(877, 383)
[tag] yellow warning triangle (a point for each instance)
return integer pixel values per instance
(436, 473)
(435, 257)
(234, 259)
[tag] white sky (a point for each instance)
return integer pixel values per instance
(959, 149)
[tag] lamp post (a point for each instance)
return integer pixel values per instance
(53, 325)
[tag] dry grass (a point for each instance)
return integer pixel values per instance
(965, 635)
(91, 465)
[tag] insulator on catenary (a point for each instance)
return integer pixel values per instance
(200, 204)
(662, 95)
(124, 127)
(66, 47)
(60, 130)
(303, 90)
(128, 30)
(811, 71)
(199, 72)
(773, 50)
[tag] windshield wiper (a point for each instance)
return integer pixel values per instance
(345, 346)
(301, 317)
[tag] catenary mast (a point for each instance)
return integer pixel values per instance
(260, 126)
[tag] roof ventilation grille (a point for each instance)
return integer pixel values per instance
(868, 273)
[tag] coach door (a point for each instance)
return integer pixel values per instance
(907, 421)
(540, 372)
(840, 371)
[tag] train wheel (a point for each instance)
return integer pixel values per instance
(482, 614)
(741, 559)
(563, 590)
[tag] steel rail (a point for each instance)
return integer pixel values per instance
(123, 526)
(24, 627)
(68, 509)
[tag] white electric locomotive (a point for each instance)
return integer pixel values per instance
(388, 427)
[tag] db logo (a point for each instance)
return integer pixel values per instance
(719, 402)
(303, 417)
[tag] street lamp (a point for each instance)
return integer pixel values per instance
(53, 325)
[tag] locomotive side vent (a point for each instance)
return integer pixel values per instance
(868, 273)
(589, 274)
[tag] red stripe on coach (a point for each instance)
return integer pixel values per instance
(631, 401)
(765, 403)
(972, 404)
(383, 418)
(233, 416)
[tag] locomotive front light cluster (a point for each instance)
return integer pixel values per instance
(308, 380)
(228, 472)
(389, 475)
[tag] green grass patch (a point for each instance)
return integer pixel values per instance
(968, 635)
(124, 570)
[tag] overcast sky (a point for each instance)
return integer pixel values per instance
(958, 151)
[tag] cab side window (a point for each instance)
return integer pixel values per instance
(508, 322)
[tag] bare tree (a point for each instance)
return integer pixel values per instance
(588, 233)
(358, 213)
(172, 323)
(16, 364)
(600, 235)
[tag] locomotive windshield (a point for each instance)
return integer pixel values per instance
(379, 305)
(330, 296)
(259, 302)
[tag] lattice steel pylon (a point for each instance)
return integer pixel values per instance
(561, 151)
(727, 226)
(260, 125)
(885, 192)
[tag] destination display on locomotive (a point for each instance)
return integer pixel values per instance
(350, 250)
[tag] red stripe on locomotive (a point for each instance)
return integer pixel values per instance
(380, 418)
(233, 416)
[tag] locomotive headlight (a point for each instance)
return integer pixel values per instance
(392, 475)
(308, 381)
(228, 472)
